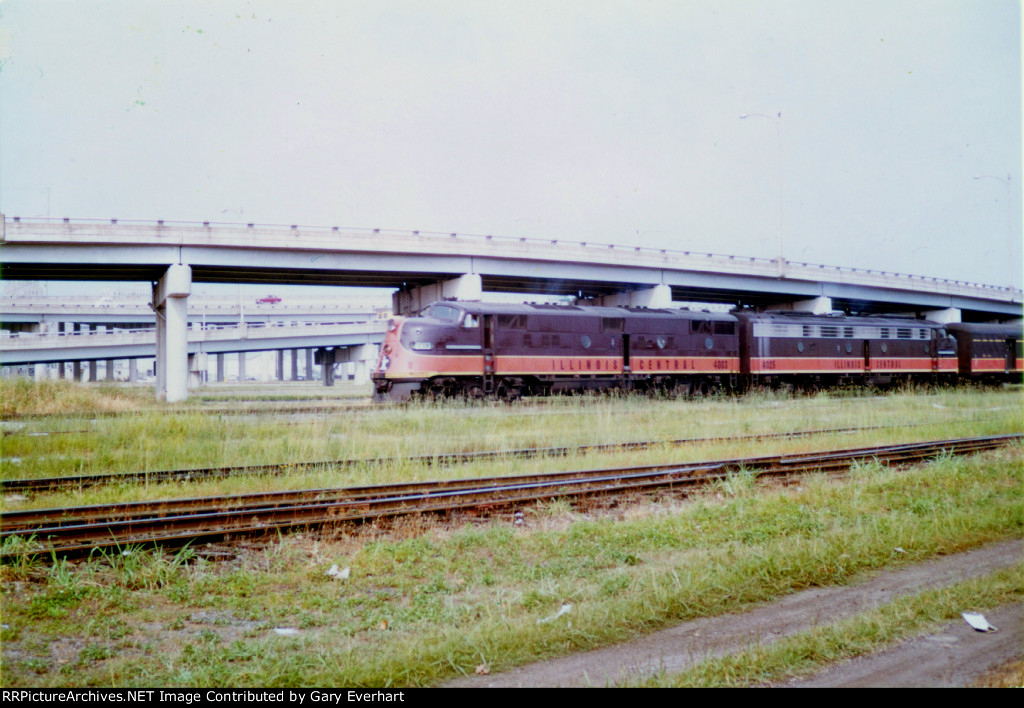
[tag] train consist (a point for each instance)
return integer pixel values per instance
(477, 350)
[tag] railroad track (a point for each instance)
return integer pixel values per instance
(175, 522)
(53, 484)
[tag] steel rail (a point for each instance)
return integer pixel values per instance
(49, 484)
(179, 524)
(16, 520)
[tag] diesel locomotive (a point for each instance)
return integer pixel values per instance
(477, 350)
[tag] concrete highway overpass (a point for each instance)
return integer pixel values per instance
(43, 313)
(336, 343)
(426, 266)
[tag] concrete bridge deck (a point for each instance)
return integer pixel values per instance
(425, 266)
(31, 348)
(42, 249)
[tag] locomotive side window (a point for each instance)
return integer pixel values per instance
(700, 327)
(725, 328)
(470, 322)
(543, 324)
(512, 321)
(613, 324)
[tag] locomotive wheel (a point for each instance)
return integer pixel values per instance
(474, 391)
(681, 389)
(509, 392)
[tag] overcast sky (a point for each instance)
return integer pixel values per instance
(586, 120)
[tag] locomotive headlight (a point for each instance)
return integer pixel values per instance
(422, 346)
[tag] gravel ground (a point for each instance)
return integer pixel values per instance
(955, 656)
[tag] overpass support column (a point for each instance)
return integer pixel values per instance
(280, 365)
(325, 358)
(220, 367)
(198, 364)
(465, 287)
(658, 296)
(948, 316)
(820, 305)
(364, 356)
(309, 365)
(170, 301)
(295, 364)
(133, 370)
(94, 375)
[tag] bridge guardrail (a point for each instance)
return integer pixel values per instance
(295, 236)
(211, 333)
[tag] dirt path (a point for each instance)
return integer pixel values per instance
(953, 657)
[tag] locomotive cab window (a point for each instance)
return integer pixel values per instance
(446, 313)
(471, 322)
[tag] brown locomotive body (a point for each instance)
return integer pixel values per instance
(988, 352)
(813, 350)
(478, 349)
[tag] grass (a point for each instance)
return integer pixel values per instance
(810, 651)
(171, 437)
(427, 601)
(24, 397)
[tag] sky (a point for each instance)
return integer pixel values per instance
(881, 134)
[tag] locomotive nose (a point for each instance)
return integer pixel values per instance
(390, 347)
